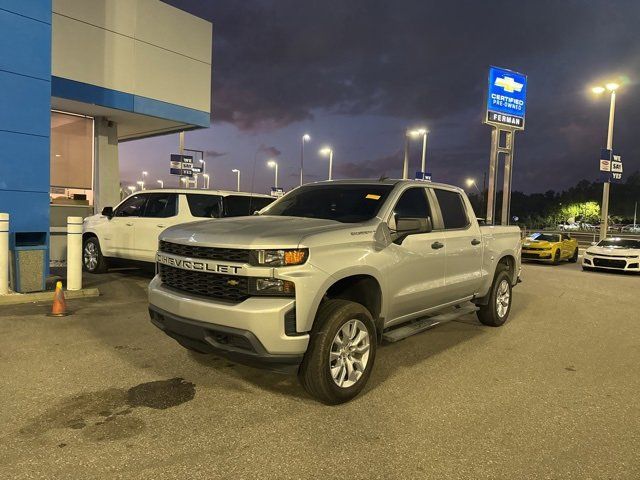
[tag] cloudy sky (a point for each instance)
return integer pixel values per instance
(354, 74)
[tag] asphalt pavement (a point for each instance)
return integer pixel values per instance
(552, 394)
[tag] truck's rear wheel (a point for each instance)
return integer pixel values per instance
(341, 352)
(92, 259)
(497, 309)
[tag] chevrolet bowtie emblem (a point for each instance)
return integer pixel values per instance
(233, 283)
(508, 84)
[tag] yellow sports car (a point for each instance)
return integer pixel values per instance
(550, 247)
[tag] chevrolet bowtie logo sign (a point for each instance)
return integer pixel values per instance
(508, 84)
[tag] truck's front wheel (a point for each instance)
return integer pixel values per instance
(497, 309)
(342, 349)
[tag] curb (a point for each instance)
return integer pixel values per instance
(20, 298)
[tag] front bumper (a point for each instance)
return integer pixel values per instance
(240, 346)
(620, 264)
(540, 255)
(262, 317)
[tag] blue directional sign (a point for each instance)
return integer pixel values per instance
(506, 97)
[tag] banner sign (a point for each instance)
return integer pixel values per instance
(506, 98)
(610, 165)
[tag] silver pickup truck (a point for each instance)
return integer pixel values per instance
(312, 283)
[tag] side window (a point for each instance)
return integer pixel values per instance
(204, 206)
(133, 207)
(161, 205)
(452, 208)
(413, 204)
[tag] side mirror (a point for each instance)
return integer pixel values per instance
(107, 212)
(406, 226)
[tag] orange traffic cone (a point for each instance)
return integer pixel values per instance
(59, 308)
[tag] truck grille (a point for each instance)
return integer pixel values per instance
(608, 262)
(207, 253)
(225, 287)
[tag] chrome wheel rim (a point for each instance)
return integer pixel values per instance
(502, 298)
(90, 256)
(349, 353)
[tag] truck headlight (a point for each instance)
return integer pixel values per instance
(281, 258)
(272, 286)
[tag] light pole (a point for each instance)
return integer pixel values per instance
(305, 138)
(415, 133)
(140, 184)
(604, 223)
(131, 189)
(274, 164)
(206, 180)
(161, 183)
(204, 166)
(472, 183)
(237, 172)
(144, 175)
(328, 151)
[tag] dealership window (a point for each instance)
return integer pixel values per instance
(71, 159)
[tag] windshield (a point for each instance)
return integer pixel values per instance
(619, 243)
(545, 237)
(343, 203)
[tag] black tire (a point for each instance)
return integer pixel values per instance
(315, 371)
(100, 266)
(488, 314)
(586, 269)
(556, 257)
(574, 257)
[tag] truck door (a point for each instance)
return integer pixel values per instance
(160, 212)
(120, 234)
(416, 279)
(463, 265)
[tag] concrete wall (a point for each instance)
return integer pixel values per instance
(25, 99)
(139, 55)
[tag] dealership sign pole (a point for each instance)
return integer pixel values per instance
(506, 108)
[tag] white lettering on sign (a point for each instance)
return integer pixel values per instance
(616, 167)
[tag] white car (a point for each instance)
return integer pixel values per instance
(622, 254)
(130, 230)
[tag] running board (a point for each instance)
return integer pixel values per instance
(425, 323)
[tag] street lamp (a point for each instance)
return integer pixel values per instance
(415, 133)
(161, 183)
(274, 164)
(328, 151)
(204, 165)
(144, 175)
(140, 184)
(598, 90)
(237, 172)
(206, 180)
(305, 138)
(131, 188)
(472, 183)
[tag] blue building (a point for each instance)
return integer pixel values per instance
(76, 78)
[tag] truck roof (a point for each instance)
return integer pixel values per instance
(386, 181)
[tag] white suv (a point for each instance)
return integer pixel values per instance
(130, 230)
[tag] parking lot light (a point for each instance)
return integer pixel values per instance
(140, 184)
(274, 164)
(597, 90)
(161, 183)
(237, 172)
(206, 180)
(328, 151)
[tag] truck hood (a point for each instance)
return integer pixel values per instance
(250, 232)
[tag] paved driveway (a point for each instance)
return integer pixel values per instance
(552, 394)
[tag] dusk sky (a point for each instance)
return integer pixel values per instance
(355, 74)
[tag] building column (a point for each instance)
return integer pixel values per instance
(106, 188)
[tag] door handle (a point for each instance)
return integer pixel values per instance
(160, 225)
(475, 241)
(129, 224)
(437, 245)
